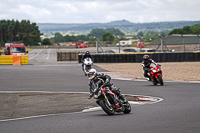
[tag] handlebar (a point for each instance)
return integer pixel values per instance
(92, 93)
(148, 69)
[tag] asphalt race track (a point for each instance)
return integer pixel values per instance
(177, 113)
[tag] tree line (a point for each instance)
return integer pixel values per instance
(28, 33)
(149, 36)
(107, 36)
(103, 35)
(194, 29)
(16, 31)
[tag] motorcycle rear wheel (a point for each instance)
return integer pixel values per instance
(160, 80)
(104, 105)
(127, 108)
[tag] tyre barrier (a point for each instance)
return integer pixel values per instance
(67, 56)
(137, 58)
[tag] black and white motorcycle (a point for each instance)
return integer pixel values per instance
(105, 99)
(87, 65)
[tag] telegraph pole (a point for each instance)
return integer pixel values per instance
(199, 41)
(119, 43)
(97, 44)
(183, 42)
(140, 43)
(162, 47)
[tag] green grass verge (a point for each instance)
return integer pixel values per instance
(27, 49)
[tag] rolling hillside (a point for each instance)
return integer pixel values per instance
(124, 25)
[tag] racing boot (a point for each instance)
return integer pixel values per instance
(118, 107)
(98, 102)
(123, 98)
(149, 79)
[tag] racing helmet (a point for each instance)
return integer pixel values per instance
(146, 58)
(87, 52)
(92, 73)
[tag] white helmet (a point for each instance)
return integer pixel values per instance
(92, 73)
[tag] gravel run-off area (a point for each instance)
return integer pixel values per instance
(183, 71)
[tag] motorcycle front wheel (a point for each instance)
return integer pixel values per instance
(85, 74)
(105, 106)
(160, 80)
(155, 82)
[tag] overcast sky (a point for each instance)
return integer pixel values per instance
(101, 11)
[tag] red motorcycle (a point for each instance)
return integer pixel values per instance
(105, 97)
(156, 74)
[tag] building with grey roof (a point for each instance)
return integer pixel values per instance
(177, 43)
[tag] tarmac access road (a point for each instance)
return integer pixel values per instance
(177, 113)
(42, 56)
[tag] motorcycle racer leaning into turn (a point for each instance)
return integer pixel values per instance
(146, 66)
(103, 80)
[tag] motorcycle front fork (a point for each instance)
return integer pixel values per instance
(107, 100)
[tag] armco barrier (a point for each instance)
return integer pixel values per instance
(8, 60)
(137, 58)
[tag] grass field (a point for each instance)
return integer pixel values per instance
(27, 49)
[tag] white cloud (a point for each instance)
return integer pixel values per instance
(29, 11)
(87, 11)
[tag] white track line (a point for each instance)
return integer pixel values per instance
(38, 116)
(36, 54)
(120, 76)
(86, 110)
(48, 54)
(144, 80)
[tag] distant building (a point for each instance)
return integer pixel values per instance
(176, 42)
(129, 37)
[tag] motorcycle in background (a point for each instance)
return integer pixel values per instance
(87, 65)
(104, 98)
(156, 74)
